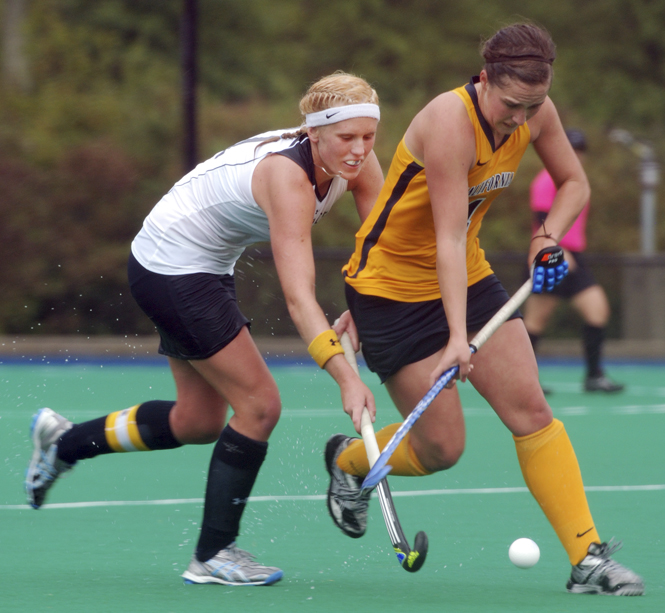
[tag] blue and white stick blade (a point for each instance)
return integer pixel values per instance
(375, 475)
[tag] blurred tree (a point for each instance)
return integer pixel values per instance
(15, 71)
(89, 148)
(611, 58)
(189, 68)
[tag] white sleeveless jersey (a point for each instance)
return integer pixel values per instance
(208, 218)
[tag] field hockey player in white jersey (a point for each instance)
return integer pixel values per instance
(270, 187)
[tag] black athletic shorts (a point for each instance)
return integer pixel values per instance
(196, 314)
(575, 281)
(394, 334)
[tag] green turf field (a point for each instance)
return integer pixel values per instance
(120, 529)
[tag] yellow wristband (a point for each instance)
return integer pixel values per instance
(324, 347)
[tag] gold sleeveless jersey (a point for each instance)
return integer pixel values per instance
(395, 255)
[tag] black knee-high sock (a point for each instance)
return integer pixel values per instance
(90, 438)
(234, 465)
(593, 338)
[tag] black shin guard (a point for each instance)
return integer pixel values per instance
(89, 439)
(234, 465)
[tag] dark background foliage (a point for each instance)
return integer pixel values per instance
(91, 127)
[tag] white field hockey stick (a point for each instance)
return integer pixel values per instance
(381, 468)
(411, 560)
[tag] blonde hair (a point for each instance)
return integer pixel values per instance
(338, 89)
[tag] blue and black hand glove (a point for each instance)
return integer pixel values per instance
(549, 269)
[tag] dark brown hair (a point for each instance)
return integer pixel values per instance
(522, 51)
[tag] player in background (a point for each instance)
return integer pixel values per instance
(273, 187)
(419, 287)
(580, 287)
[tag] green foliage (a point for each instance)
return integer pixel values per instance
(88, 151)
(613, 56)
(65, 242)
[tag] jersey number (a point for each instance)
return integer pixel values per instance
(473, 207)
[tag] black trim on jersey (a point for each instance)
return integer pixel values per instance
(398, 191)
(301, 153)
(471, 90)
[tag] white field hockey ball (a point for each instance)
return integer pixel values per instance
(524, 553)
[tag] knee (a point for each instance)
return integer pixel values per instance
(267, 415)
(203, 430)
(531, 420)
(438, 456)
(541, 419)
(258, 415)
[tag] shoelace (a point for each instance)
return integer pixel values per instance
(244, 559)
(606, 566)
(345, 492)
(46, 469)
(241, 554)
(605, 550)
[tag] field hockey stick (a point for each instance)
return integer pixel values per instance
(410, 560)
(381, 468)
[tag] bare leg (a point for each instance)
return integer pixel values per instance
(538, 311)
(438, 437)
(506, 374)
(236, 375)
(593, 306)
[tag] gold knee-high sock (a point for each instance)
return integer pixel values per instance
(404, 461)
(552, 474)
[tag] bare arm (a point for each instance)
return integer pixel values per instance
(563, 165)
(283, 191)
(442, 134)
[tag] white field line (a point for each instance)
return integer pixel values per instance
(568, 411)
(451, 492)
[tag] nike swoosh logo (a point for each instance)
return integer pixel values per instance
(585, 532)
(479, 164)
(328, 116)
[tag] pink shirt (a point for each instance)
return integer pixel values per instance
(542, 193)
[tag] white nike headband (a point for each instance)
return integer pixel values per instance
(336, 114)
